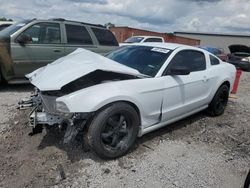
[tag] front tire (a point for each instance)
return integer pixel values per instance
(219, 102)
(247, 181)
(113, 130)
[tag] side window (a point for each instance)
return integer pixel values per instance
(153, 40)
(77, 34)
(44, 33)
(105, 37)
(214, 60)
(192, 59)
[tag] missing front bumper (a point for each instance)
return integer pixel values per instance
(43, 118)
(72, 125)
(44, 114)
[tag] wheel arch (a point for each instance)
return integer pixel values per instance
(212, 107)
(216, 88)
(227, 83)
(224, 82)
(122, 101)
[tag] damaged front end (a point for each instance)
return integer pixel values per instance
(47, 112)
(76, 71)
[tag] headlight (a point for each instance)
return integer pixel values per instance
(61, 107)
(246, 59)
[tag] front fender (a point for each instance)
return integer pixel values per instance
(95, 97)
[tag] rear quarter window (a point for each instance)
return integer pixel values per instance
(77, 34)
(105, 37)
(214, 60)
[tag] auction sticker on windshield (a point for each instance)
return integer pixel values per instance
(161, 50)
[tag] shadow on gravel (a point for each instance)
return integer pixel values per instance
(76, 151)
(225, 131)
(171, 128)
(16, 87)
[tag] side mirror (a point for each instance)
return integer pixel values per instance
(179, 70)
(24, 39)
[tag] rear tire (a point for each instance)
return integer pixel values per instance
(219, 102)
(113, 130)
(2, 80)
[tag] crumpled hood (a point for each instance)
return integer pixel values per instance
(73, 66)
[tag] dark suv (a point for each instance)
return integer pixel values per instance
(30, 44)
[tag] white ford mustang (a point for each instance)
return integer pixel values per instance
(130, 92)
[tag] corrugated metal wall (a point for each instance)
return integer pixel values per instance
(218, 41)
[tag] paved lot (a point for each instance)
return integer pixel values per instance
(199, 151)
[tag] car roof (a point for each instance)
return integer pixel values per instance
(170, 46)
(70, 21)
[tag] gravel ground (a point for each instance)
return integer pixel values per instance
(199, 151)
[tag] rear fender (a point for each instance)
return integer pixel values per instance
(6, 64)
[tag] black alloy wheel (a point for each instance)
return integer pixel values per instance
(113, 130)
(219, 102)
(117, 130)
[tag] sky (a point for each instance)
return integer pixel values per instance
(217, 16)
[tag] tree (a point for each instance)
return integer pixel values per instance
(5, 19)
(108, 25)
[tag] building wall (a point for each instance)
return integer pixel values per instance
(122, 33)
(182, 40)
(218, 41)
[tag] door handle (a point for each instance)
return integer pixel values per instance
(56, 50)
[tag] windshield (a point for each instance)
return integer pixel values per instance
(147, 60)
(133, 40)
(13, 28)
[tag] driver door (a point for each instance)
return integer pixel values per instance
(185, 93)
(44, 47)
